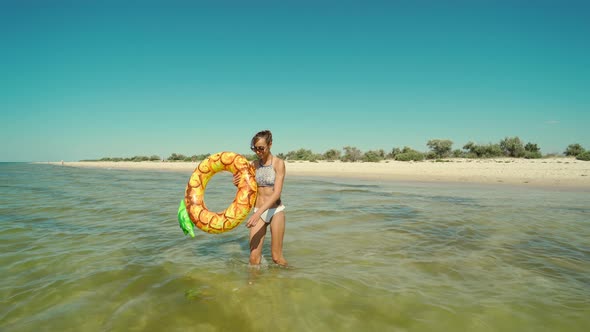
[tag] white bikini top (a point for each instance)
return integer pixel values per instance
(265, 175)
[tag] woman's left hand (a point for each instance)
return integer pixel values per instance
(236, 180)
(253, 220)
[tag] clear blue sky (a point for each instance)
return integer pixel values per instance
(92, 79)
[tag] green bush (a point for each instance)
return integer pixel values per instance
(574, 150)
(440, 147)
(374, 156)
(584, 156)
(412, 155)
(483, 151)
(351, 154)
(332, 154)
(431, 155)
(301, 154)
(407, 149)
(175, 157)
(196, 157)
(457, 153)
(111, 159)
(532, 155)
(139, 158)
(394, 152)
(531, 147)
(512, 147)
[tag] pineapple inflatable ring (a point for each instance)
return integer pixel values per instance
(193, 212)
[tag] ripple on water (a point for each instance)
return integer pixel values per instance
(365, 256)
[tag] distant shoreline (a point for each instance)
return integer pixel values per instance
(547, 172)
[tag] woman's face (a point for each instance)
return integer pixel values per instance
(261, 148)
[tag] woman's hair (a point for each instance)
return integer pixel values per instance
(266, 134)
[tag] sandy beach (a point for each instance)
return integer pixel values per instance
(549, 172)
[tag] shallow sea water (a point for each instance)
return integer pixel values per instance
(101, 250)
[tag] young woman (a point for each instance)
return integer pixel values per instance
(268, 211)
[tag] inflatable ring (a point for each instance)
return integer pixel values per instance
(193, 206)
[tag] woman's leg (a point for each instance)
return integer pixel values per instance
(257, 234)
(277, 230)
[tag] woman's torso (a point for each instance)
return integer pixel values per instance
(265, 178)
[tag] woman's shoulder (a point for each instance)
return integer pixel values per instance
(278, 162)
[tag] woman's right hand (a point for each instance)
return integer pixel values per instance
(236, 179)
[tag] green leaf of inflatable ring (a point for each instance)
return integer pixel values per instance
(184, 220)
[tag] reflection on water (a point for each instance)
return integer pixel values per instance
(90, 250)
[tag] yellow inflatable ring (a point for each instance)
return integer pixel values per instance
(237, 211)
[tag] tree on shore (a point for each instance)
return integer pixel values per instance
(176, 157)
(573, 150)
(440, 148)
(483, 151)
(532, 151)
(409, 154)
(193, 158)
(301, 154)
(374, 156)
(458, 153)
(351, 154)
(332, 155)
(394, 152)
(512, 147)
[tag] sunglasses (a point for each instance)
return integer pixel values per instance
(258, 148)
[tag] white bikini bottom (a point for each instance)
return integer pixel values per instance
(268, 214)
